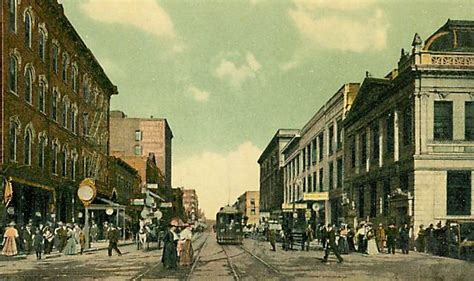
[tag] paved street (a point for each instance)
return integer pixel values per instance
(221, 263)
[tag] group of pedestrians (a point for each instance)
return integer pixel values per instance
(177, 247)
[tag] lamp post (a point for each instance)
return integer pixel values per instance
(86, 193)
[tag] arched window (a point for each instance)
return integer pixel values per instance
(13, 136)
(64, 162)
(41, 151)
(65, 65)
(85, 126)
(42, 45)
(54, 106)
(85, 166)
(55, 158)
(55, 59)
(29, 85)
(74, 78)
(73, 166)
(13, 75)
(87, 91)
(65, 113)
(73, 119)
(28, 29)
(27, 151)
(12, 8)
(41, 97)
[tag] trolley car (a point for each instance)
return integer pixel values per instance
(229, 226)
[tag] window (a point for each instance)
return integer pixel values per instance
(459, 190)
(373, 199)
(390, 141)
(86, 91)
(74, 120)
(28, 29)
(13, 140)
(27, 151)
(339, 135)
(321, 180)
(73, 166)
(469, 121)
(54, 106)
(339, 172)
(353, 152)
(64, 163)
(363, 143)
(138, 135)
(74, 78)
(308, 156)
(13, 75)
(443, 120)
(65, 114)
(28, 86)
(304, 184)
(331, 175)
(304, 158)
(314, 181)
(361, 201)
(12, 8)
(313, 151)
(55, 58)
(55, 158)
(138, 150)
(386, 196)
(407, 126)
(41, 97)
(321, 146)
(85, 126)
(41, 150)
(331, 139)
(310, 183)
(42, 45)
(375, 141)
(65, 65)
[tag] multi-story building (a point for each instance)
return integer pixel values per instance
(139, 137)
(248, 204)
(410, 135)
(271, 174)
(54, 112)
(191, 204)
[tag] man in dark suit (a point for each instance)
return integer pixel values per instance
(331, 244)
(113, 235)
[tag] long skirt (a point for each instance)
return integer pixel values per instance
(372, 247)
(186, 255)
(170, 255)
(343, 245)
(9, 247)
(70, 248)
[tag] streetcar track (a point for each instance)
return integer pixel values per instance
(273, 268)
(231, 265)
(196, 260)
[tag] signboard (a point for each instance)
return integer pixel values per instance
(166, 205)
(152, 185)
(316, 196)
(87, 191)
(137, 202)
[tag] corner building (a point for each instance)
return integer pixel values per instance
(54, 113)
(410, 135)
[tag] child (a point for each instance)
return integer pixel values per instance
(38, 243)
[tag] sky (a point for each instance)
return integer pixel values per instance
(227, 74)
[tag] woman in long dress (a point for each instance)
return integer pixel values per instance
(9, 243)
(343, 245)
(187, 252)
(170, 255)
(371, 243)
(70, 248)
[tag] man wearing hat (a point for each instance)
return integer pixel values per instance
(113, 235)
(380, 237)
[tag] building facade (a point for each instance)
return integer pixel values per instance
(271, 174)
(191, 204)
(54, 112)
(248, 204)
(141, 136)
(410, 135)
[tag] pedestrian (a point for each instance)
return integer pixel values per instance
(350, 238)
(38, 243)
(371, 243)
(48, 239)
(187, 252)
(361, 236)
(94, 231)
(63, 237)
(429, 239)
(342, 243)
(113, 236)
(420, 240)
(9, 240)
(272, 238)
(170, 256)
(77, 231)
(27, 237)
(331, 244)
(404, 236)
(82, 240)
(380, 237)
(443, 241)
(324, 236)
(309, 236)
(391, 238)
(70, 248)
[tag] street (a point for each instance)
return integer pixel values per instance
(217, 262)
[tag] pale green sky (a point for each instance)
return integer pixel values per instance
(228, 74)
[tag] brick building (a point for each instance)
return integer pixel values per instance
(249, 204)
(54, 112)
(191, 204)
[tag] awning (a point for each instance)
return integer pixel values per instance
(108, 204)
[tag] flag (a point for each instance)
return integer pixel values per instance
(8, 193)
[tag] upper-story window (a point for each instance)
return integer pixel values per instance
(74, 119)
(28, 24)
(55, 60)
(390, 139)
(407, 126)
(313, 151)
(138, 150)
(54, 105)
(74, 78)
(13, 139)
(339, 136)
(54, 157)
(42, 45)
(363, 149)
(29, 85)
(73, 166)
(42, 97)
(85, 126)
(331, 139)
(138, 135)
(27, 150)
(86, 91)
(12, 15)
(41, 151)
(443, 120)
(64, 163)
(65, 66)
(13, 74)
(65, 114)
(469, 121)
(321, 146)
(375, 141)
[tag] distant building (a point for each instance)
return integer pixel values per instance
(248, 204)
(191, 204)
(271, 174)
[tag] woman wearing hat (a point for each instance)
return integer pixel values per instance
(170, 255)
(70, 248)
(9, 243)
(186, 255)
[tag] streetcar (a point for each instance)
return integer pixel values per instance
(229, 226)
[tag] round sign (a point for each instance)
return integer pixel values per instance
(10, 210)
(295, 215)
(79, 215)
(109, 211)
(145, 213)
(158, 214)
(315, 207)
(87, 190)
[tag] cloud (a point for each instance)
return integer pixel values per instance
(238, 74)
(216, 176)
(198, 94)
(146, 15)
(356, 26)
